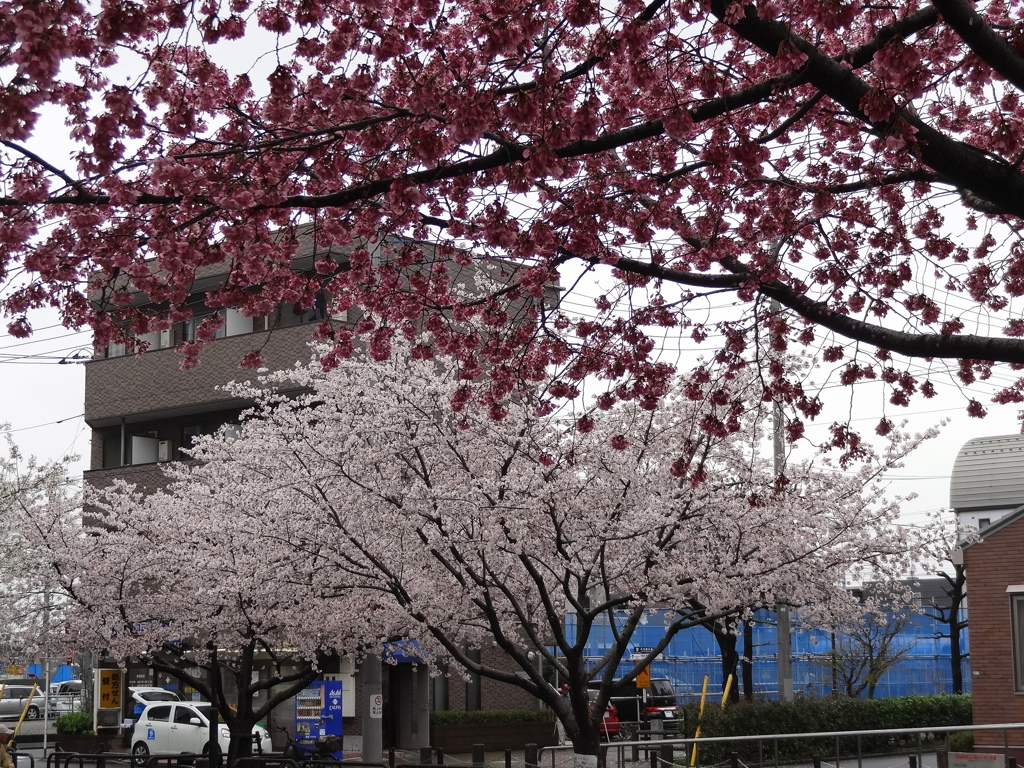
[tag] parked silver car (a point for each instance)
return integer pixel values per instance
(15, 698)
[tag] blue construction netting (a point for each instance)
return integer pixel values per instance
(694, 653)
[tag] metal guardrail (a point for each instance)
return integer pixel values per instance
(279, 761)
(100, 760)
(84, 760)
(660, 750)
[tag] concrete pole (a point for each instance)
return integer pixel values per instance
(783, 644)
(421, 705)
(372, 704)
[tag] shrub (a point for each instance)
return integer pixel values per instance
(961, 741)
(74, 723)
(451, 717)
(827, 714)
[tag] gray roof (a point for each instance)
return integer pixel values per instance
(988, 474)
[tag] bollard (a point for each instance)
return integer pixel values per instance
(734, 760)
(1011, 762)
(667, 758)
(942, 759)
(478, 755)
(440, 755)
(530, 755)
(426, 755)
(391, 757)
(913, 761)
(508, 758)
(816, 761)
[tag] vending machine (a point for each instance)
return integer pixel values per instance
(318, 710)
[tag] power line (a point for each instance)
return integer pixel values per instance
(47, 424)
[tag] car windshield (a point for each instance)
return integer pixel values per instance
(662, 688)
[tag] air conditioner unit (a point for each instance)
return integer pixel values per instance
(163, 452)
(166, 338)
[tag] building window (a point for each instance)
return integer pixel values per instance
(112, 449)
(193, 323)
(1017, 626)
(190, 433)
(144, 448)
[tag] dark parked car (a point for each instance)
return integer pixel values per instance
(637, 707)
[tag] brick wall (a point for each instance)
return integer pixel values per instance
(493, 694)
(148, 477)
(992, 564)
(153, 383)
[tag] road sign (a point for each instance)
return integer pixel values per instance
(643, 678)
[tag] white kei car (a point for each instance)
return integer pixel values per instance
(166, 728)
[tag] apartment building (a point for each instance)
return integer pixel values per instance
(144, 410)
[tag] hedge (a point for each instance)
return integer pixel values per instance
(828, 714)
(452, 717)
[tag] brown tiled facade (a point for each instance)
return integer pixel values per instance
(993, 564)
(137, 387)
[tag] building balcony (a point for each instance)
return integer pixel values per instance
(150, 386)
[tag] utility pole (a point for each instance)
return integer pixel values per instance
(46, 668)
(373, 711)
(783, 644)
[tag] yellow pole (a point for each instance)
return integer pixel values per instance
(725, 692)
(32, 694)
(700, 716)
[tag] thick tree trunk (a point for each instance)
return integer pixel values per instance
(956, 656)
(730, 660)
(244, 718)
(587, 753)
(747, 662)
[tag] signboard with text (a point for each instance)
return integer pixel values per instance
(109, 698)
(110, 689)
(976, 760)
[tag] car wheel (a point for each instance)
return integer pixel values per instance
(627, 731)
(140, 754)
(33, 713)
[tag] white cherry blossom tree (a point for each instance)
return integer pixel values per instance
(206, 589)
(384, 503)
(471, 525)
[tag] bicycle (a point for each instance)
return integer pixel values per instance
(322, 749)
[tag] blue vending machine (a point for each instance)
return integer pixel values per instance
(318, 711)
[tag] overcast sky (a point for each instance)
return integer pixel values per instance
(41, 398)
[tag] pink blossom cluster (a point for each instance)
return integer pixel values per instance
(817, 153)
